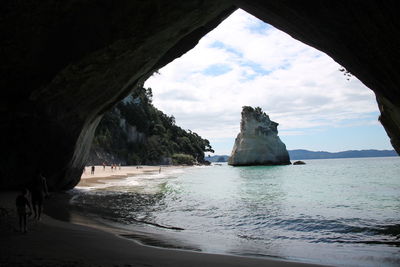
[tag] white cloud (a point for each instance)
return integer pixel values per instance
(298, 86)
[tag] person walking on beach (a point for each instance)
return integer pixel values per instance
(92, 170)
(39, 191)
(22, 203)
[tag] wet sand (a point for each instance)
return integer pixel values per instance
(52, 242)
(102, 175)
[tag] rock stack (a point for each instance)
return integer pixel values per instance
(258, 142)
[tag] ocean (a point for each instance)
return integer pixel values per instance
(342, 212)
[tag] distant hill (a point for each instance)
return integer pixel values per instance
(217, 158)
(307, 154)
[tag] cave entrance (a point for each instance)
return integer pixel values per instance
(245, 61)
(322, 209)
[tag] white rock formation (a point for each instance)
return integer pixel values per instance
(258, 142)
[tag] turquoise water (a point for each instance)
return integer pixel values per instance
(337, 211)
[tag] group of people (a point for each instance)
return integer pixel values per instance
(93, 168)
(31, 200)
(114, 167)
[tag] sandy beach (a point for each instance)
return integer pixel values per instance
(52, 242)
(103, 175)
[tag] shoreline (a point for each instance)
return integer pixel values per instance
(103, 175)
(65, 238)
(52, 242)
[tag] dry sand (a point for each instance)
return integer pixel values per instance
(52, 242)
(102, 175)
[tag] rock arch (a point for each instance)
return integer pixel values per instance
(64, 64)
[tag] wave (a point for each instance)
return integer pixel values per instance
(157, 225)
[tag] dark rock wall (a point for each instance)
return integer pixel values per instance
(63, 63)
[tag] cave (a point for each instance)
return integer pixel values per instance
(65, 63)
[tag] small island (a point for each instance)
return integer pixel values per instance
(258, 142)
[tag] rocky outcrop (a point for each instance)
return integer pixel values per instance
(299, 162)
(98, 156)
(258, 142)
(63, 64)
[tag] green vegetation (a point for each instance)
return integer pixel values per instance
(183, 159)
(258, 112)
(138, 132)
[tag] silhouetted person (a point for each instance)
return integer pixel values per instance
(39, 191)
(92, 170)
(22, 203)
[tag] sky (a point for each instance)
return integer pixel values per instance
(246, 62)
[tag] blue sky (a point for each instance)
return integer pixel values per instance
(245, 61)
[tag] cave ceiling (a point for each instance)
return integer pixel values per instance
(64, 63)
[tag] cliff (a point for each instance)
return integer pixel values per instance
(135, 132)
(258, 142)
